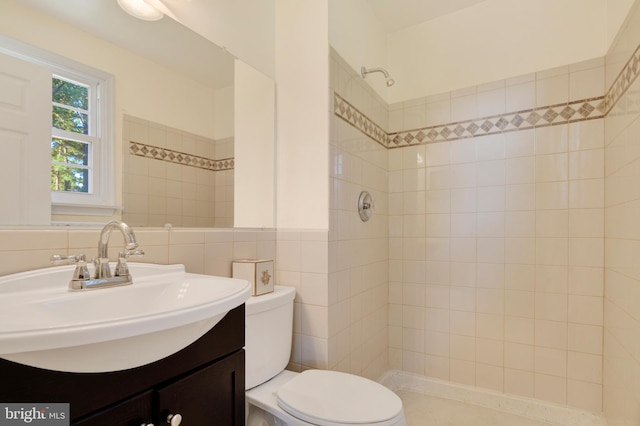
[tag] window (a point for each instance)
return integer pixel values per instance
(72, 136)
(81, 146)
(82, 138)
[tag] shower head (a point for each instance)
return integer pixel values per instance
(364, 71)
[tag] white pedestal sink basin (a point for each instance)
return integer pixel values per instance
(44, 325)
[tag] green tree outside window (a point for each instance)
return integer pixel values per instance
(70, 159)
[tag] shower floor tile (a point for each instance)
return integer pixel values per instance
(428, 410)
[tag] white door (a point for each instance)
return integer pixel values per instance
(25, 142)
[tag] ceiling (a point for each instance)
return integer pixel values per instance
(398, 14)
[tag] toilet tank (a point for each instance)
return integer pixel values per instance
(268, 333)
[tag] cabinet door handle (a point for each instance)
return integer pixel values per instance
(146, 424)
(174, 419)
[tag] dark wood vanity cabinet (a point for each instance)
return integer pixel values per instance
(203, 382)
(214, 403)
(135, 411)
(206, 396)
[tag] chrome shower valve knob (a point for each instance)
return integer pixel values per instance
(366, 206)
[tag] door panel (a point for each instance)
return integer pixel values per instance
(213, 395)
(25, 142)
(135, 411)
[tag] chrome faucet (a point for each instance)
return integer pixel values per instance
(102, 261)
(102, 278)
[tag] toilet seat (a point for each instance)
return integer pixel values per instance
(332, 398)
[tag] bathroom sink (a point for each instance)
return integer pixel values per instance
(44, 325)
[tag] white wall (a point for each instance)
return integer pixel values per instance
(471, 46)
(356, 32)
(254, 153)
(617, 11)
(245, 28)
(493, 40)
(302, 75)
(223, 112)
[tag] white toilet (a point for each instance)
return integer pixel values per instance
(276, 396)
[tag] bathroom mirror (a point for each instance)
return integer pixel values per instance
(178, 165)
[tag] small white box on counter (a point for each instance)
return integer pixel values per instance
(259, 273)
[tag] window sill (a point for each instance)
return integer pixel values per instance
(84, 209)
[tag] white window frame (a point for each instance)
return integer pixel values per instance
(101, 200)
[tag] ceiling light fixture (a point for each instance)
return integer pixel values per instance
(140, 9)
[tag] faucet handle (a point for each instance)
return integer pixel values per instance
(58, 259)
(128, 254)
(81, 272)
(122, 268)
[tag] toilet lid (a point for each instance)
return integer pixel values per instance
(328, 398)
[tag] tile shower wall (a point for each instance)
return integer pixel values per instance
(622, 230)
(358, 266)
(157, 191)
(496, 242)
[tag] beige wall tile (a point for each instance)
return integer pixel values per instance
(462, 371)
(587, 396)
(552, 90)
(490, 377)
(519, 382)
(518, 356)
(550, 388)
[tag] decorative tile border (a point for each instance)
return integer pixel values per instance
(587, 109)
(351, 115)
(625, 79)
(164, 154)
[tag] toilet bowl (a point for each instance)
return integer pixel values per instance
(276, 396)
